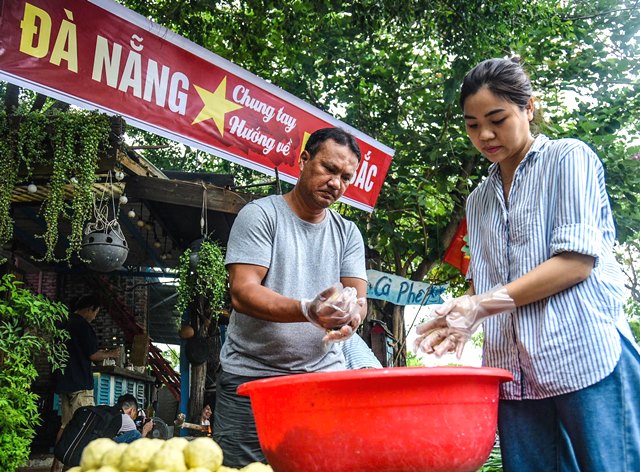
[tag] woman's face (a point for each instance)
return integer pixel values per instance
(498, 128)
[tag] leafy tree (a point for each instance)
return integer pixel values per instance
(393, 69)
(172, 356)
(628, 255)
(413, 360)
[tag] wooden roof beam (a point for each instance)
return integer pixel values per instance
(179, 192)
(142, 167)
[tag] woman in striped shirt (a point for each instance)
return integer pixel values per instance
(545, 283)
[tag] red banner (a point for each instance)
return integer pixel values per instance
(99, 55)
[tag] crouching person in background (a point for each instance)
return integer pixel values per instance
(128, 431)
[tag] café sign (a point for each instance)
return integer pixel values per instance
(401, 291)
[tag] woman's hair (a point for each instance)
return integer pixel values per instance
(505, 78)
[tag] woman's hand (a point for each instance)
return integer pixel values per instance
(436, 337)
(458, 320)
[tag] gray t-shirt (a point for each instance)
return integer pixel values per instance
(303, 259)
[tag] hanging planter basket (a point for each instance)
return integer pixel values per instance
(194, 257)
(104, 251)
(104, 247)
(197, 350)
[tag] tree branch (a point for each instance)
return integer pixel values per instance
(11, 99)
(39, 102)
(596, 15)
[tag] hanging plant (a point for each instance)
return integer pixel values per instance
(76, 139)
(204, 281)
(21, 145)
(70, 142)
(92, 136)
(9, 172)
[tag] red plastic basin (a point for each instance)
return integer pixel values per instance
(438, 419)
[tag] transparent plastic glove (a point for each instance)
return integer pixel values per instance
(436, 337)
(344, 300)
(346, 331)
(327, 309)
(461, 316)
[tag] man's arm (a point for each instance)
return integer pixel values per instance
(102, 355)
(250, 297)
(146, 428)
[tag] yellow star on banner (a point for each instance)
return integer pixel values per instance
(305, 138)
(215, 106)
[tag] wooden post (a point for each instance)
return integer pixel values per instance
(201, 322)
(196, 398)
(400, 349)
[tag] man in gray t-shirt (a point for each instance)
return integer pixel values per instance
(285, 255)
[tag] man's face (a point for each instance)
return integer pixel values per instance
(326, 177)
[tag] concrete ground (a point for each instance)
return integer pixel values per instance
(38, 463)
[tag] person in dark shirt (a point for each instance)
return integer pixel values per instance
(74, 385)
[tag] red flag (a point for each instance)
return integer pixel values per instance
(457, 254)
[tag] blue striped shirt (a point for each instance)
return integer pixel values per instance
(357, 354)
(557, 203)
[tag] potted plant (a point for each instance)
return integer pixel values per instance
(202, 294)
(202, 280)
(29, 324)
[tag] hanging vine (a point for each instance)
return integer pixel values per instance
(70, 142)
(21, 145)
(9, 172)
(93, 135)
(208, 279)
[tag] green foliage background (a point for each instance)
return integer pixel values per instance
(393, 69)
(28, 326)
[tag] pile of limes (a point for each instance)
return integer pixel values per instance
(157, 455)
